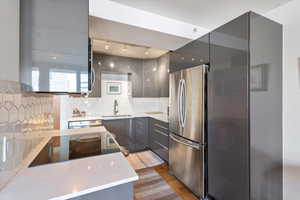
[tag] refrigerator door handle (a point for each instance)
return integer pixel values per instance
(183, 102)
(185, 142)
(179, 102)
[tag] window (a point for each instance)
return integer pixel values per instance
(35, 79)
(84, 82)
(62, 81)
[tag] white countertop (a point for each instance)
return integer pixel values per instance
(70, 179)
(66, 179)
(161, 116)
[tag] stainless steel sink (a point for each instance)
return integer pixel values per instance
(115, 116)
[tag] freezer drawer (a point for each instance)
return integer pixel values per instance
(186, 163)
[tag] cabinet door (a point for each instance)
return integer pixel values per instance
(228, 137)
(192, 54)
(150, 78)
(120, 128)
(163, 75)
(141, 130)
(54, 45)
(136, 78)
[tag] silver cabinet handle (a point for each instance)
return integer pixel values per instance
(185, 142)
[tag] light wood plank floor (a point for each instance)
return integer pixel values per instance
(144, 159)
(178, 187)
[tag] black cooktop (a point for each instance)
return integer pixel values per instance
(69, 147)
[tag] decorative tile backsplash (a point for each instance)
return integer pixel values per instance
(24, 111)
(20, 113)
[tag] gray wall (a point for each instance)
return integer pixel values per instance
(9, 40)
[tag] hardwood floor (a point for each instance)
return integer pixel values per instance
(178, 187)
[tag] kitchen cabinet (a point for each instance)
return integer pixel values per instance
(163, 75)
(141, 136)
(150, 78)
(156, 77)
(192, 54)
(159, 138)
(122, 131)
(245, 110)
(54, 46)
(141, 133)
(116, 64)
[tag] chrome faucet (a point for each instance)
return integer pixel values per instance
(116, 108)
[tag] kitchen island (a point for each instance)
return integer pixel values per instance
(108, 176)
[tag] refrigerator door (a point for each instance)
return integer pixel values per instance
(175, 106)
(193, 104)
(186, 163)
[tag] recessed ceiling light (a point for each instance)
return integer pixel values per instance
(54, 57)
(112, 65)
(99, 63)
(154, 69)
(147, 52)
(193, 59)
(107, 47)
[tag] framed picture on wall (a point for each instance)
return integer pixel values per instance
(113, 88)
(259, 77)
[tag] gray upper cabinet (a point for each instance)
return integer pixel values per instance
(192, 54)
(54, 45)
(163, 75)
(115, 64)
(149, 77)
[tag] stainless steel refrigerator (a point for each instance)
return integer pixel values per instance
(186, 126)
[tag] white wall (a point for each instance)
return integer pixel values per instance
(9, 40)
(289, 16)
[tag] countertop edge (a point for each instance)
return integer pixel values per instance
(153, 116)
(95, 189)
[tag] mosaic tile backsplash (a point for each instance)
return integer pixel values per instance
(24, 111)
(21, 113)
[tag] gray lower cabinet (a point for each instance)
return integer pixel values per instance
(141, 136)
(159, 138)
(121, 129)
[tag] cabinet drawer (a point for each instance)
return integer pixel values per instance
(160, 150)
(161, 137)
(161, 127)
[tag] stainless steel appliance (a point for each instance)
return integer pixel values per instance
(186, 126)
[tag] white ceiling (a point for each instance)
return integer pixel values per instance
(126, 50)
(102, 29)
(205, 13)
